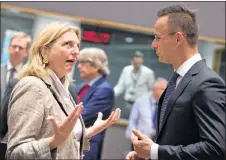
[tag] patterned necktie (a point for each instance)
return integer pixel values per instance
(11, 74)
(83, 91)
(154, 114)
(169, 91)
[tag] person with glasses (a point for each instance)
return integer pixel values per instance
(192, 109)
(18, 49)
(96, 93)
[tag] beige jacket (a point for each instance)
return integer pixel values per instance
(29, 130)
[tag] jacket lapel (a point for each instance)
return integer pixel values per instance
(178, 91)
(51, 86)
(91, 89)
(159, 109)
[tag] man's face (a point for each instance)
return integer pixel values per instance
(87, 70)
(18, 49)
(158, 88)
(165, 41)
(137, 62)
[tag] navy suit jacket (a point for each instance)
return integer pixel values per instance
(98, 98)
(194, 121)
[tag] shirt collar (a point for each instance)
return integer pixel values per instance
(94, 80)
(18, 67)
(183, 69)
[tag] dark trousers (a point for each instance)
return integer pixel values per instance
(95, 151)
(3, 147)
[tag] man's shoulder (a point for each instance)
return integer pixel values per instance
(204, 78)
(206, 73)
(105, 84)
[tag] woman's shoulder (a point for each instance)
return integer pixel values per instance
(31, 82)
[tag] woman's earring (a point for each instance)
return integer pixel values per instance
(45, 60)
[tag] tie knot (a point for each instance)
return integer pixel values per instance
(175, 76)
(12, 70)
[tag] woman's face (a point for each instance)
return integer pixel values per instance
(64, 53)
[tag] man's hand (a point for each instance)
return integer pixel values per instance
(142, 144)
(132, 155)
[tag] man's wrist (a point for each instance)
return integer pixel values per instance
(154, 151)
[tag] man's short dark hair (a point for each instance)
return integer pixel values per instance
(137, 54)
(182, 19)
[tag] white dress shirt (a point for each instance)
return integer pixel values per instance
(62, 89)
(141, 116)
(182, 70)
(134, 84)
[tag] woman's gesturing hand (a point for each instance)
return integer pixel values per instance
(100, 124)
(63, 129)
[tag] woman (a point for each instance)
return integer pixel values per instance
(41, 97)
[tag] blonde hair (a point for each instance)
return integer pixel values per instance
(47, 36)
(97, 57)
(22, 35)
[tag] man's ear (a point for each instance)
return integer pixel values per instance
(180, 37)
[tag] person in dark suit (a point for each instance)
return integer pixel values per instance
(96, 93)
(191, 113)
(18, 50)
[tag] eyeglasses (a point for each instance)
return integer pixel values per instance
(85, 61)
(157, 38)
(16, 46)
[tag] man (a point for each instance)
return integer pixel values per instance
(135, 81)
(143, 114)
(191, 114)
(18, 50)
(96, 93)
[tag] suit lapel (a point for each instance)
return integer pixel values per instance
(178, 91)
(159, 109)
(91, 89)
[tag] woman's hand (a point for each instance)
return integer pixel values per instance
(101, 125)
(63, 129)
